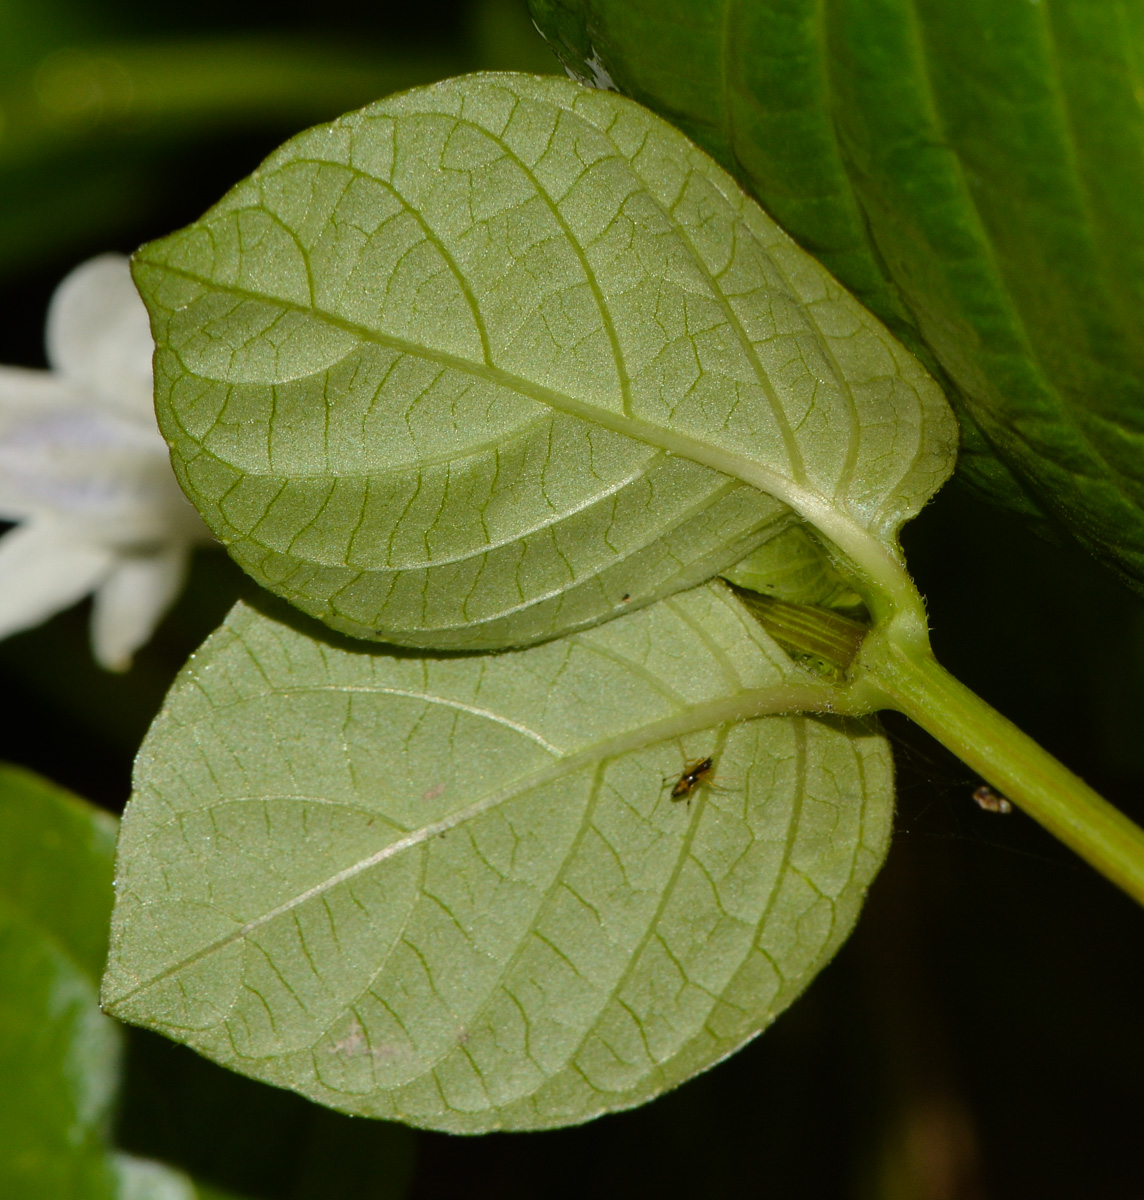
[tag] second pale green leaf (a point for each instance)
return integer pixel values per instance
(459, 892)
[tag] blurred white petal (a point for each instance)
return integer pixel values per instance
(143, 1179)
(22, 389)
(43, 570)
(73, 460)
(132, 601)
(82, 462)
(99, 337)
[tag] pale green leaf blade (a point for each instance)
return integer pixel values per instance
(497, 359)
(457, 892)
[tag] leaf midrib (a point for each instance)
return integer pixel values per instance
(786, 698)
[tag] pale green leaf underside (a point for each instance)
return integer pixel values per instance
(456, 891)
(496, 359)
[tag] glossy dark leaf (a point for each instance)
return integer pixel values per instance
(972, 172)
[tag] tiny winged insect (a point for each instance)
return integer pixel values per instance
(694, 774)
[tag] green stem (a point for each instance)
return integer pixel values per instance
(911, 680)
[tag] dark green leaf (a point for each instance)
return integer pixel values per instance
(56, 859)
(972, 172)
(59, 1055)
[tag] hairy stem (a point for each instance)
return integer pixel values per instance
(910, 679)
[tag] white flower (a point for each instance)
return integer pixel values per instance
(85, 472)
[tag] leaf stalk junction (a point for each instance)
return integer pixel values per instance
(890, 666)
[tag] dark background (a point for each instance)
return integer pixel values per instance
(979, 1036)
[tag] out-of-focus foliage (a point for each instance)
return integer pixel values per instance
(59, 1055)
(92, 115)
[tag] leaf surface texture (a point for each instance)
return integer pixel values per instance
(498, 359)
(457, 892)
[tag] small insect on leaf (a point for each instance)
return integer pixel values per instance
(694, 774)
(988, 800)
